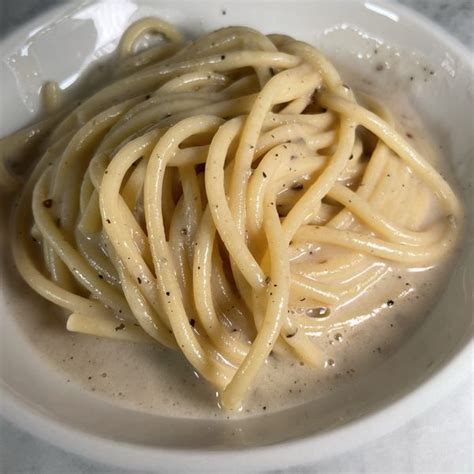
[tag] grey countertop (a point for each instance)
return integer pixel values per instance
(439, 440)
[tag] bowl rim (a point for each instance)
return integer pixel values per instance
(353, 434)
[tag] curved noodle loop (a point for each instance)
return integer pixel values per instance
(220, 197)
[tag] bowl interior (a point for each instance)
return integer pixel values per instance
(347, 31)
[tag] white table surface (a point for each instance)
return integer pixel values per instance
(441, 440)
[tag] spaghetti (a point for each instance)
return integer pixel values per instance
(220, 198)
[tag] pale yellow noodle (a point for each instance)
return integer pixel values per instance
(212, 194)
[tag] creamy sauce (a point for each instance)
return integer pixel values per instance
(355, 339)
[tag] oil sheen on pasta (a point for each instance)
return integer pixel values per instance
(344, 311)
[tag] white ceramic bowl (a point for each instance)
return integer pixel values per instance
(59, 45)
